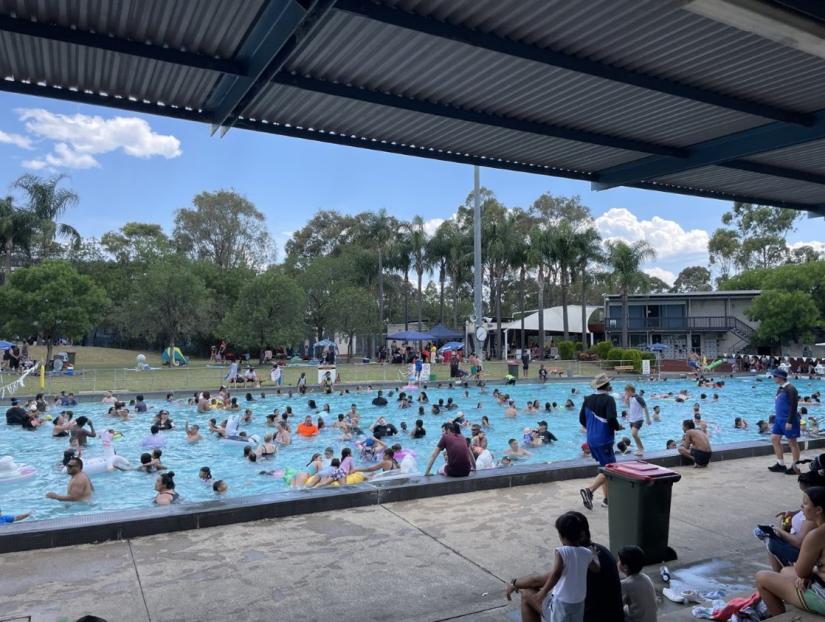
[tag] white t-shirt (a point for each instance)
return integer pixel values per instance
(275, 374)
(572, 585)
(484, 460)
(636, 408)
(796, 522)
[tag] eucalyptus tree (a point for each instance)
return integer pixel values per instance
(563, 251)
(438, 250)
(524, 225)
(625, 261)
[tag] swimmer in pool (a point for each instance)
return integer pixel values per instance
(515, 452)
(220, 487)
(267, 449)
(80, 486)
(511, 410)
(193, 433)
(283, 437)
(387, 463)
(165, 487)
(205, 475)
(740, 424)
(312, 469)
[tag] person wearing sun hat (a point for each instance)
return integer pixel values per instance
(598, 416)
(786, 423)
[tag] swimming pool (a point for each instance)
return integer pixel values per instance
(750, 398)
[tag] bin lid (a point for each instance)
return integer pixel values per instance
(641, 470)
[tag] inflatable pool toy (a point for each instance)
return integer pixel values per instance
(237, 439)
(11, 472)
(715, 364)
(356, 478)
(110, 460)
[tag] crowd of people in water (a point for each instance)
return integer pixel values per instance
(612, 421)
(375, 448)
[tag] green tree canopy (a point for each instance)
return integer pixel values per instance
(224, 228)
(169, 302)
(784, 316)
(136, 242)
(51, 300)
(47, 201)
(356, 313)
(268, 311)
(693, 279)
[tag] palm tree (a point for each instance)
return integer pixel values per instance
(48, 202)
(398, 258)
(380, 234)
(16, 230)
(588, 246)
(538, 253)
(563, 251)
(498, 237)
(625, 260)
(519, 259)
(438, 253)
(420, 259)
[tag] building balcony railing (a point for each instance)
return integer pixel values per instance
(697, 323)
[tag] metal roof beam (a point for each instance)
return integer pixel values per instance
(726, 196)
(427, 25)
(461, 114)
(96, 99)
(774, 171)
(100, 41)
(278, 30)
(769, 137)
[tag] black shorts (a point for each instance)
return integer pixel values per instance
(637, 424)
(702, 458)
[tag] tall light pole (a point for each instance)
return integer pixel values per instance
(478, 335)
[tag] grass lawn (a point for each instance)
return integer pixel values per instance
(112, 369)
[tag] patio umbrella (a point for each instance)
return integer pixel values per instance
(449, 347)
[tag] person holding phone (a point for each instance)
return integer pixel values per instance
(784, 546)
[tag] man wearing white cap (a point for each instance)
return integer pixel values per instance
(786, 423)
(598, 415)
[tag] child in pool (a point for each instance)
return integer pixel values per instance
(205, 475)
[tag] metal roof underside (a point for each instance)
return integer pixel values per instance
(643, 93)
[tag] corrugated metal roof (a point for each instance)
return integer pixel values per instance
(85, 68)
(657, 37)
(748, 184)
(286, 105)
(209, 27)
(355, 47)
(354, 50)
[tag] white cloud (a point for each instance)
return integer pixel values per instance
(666, 275)
(819, 247)
(24, 142)
(431, 225)
(667, 237)
(80, 137)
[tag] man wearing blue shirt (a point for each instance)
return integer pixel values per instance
(598, 416)
(786, 423)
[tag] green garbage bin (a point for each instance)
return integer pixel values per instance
(639, 510)
(512, 368)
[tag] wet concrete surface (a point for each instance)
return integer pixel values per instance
(443, 558)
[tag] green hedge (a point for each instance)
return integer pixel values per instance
(631, 354)
(566, 350)
(615, 354)
(603, 349)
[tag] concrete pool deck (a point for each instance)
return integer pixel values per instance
(440, 558)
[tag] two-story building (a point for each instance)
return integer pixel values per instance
(708, 323)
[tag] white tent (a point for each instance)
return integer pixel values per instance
(553, 322)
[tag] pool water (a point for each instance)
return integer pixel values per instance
(749, 398)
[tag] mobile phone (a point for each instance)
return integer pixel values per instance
(768, 530)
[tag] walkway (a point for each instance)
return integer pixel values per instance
(444, 558)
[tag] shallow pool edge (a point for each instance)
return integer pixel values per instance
(125, 524)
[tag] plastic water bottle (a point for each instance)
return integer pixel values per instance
(665, 574)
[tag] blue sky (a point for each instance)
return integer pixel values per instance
(288, 179)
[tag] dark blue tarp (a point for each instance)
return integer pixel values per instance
(439, 332)
(410, 335)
